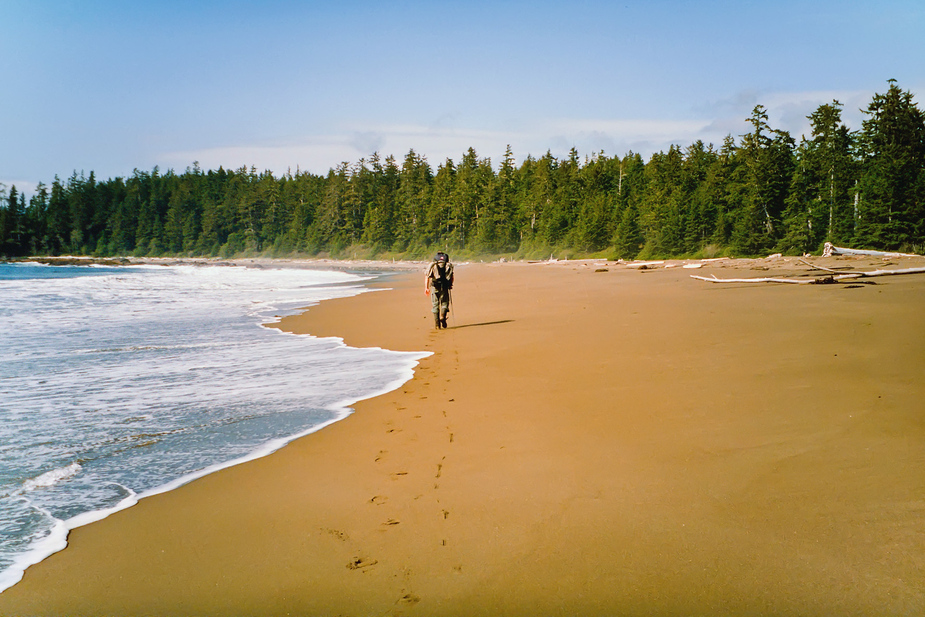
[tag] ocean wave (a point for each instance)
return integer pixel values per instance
(137, 348)
(50, 478)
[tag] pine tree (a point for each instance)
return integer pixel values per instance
(761, 185)
(503, 191)
(819, 207)
(11, 226)
(891, 189)
(438, 213)
(36, 221)
(414, 195)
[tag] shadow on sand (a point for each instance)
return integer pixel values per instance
(474, 325)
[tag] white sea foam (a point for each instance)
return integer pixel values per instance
(130, 382)
(54, 541)
(50, 478)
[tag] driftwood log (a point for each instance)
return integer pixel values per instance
(832, 278)
(830, 249)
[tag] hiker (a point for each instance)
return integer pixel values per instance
(440, 279)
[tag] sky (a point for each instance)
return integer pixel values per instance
(112, 86)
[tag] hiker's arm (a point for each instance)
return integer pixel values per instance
(427, 283)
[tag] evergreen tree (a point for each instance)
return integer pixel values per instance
(379, 225)
(331, 222)
(36, 221)
(661, 207)
(12, 240)
(505, 218)
(699, 181)
(59, 220)
(631, 185)
(465, 202)
(761, 185)
(820, 201)
(414, 195)
(627, 238)
(891, 189)
(546, 220)
(438, 213)
(4, 219)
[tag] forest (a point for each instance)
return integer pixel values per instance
(757, 194)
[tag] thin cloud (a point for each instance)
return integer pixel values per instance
(445, 139)
(25, 187)
(786, 111)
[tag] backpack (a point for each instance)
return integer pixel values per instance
(441, 281)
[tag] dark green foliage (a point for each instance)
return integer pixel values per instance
(891, 187)
(762, 194)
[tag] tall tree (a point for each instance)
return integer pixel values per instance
(12, 238)
(414, 195)
(36, 219)
(819, 207)
(762, 184)
(891, 189)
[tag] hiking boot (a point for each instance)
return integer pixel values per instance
(437, 321)
(443, 322)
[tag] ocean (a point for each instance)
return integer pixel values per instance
(121, 382)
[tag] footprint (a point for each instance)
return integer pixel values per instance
(391, 522)
(340, 535)
(381, 454)
(409, 599)
(378, 500)
(361, 563)
(396, 474)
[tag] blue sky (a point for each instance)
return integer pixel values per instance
(111, 86)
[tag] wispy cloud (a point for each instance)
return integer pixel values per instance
(319, 153)
(26, 187)
(786, 111)
(447, 139)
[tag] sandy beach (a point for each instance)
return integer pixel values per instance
(586, 439)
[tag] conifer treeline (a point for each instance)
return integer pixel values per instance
(763, 193)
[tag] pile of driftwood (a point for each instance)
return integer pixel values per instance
(831, 276)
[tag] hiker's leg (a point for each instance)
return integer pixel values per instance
(444, 307)
(435, 307)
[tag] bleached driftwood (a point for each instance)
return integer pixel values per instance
(714, 279)
(856, 275)
(830, 249)
(818, 267)
(836, 278)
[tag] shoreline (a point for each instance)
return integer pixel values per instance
(57, 540)
(310, 263)
(578, 442)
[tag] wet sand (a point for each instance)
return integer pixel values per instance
(581, 442)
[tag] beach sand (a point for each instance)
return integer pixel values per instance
(584, 440)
